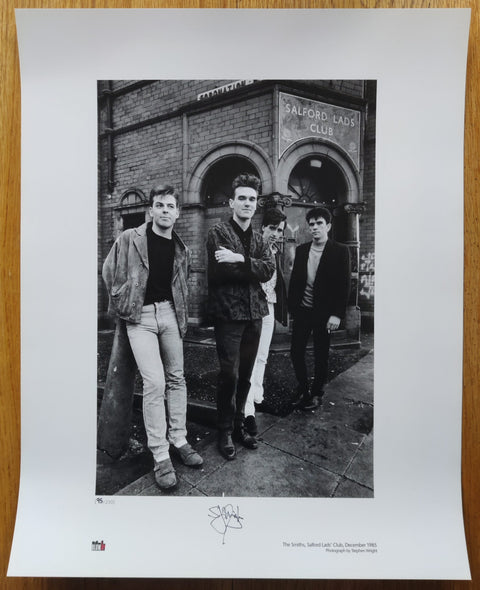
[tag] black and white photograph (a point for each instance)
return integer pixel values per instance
(236, 276)
(253, 253)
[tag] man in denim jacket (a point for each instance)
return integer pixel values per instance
(238, 261)
(146, 274)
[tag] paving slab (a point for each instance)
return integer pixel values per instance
(305, 436)
(196, 492)
(269, 472)
(138, 486)
(350, 489)
(146, 486)
(354, 383)
(113, 476)
(351, 413)
(265, 421)
(212, 460)
(361, 467)
(323, 453)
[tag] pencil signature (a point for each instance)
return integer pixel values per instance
(223, 518)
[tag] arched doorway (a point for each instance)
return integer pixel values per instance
(318, 180)
(313, 174)
(216, 188)
(225, 159)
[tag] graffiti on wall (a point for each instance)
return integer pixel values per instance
(367, 275)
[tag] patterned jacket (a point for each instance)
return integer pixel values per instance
(234, 290)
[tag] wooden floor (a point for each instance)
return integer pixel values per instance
(10, 298)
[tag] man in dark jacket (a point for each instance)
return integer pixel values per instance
(146, 274)
(238, 261)
(317, 299)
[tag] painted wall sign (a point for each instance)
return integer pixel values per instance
(224, 89)
(300, 118)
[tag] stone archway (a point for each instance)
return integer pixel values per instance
(244, 149)
(317, 149)
(199, 214)
(313, 173)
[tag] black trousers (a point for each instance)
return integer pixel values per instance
(305, 322)
(237, 345)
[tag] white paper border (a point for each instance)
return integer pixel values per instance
(419, 59)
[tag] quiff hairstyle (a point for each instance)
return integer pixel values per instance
(249, 180)
(162, 190)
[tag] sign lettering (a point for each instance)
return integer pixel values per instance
(300, 118)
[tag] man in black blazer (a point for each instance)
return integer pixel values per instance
(317, 299)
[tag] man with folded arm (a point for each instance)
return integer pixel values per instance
(238, 262)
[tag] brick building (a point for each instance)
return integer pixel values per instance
(310, 142)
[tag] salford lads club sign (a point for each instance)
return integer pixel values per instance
(300, 118)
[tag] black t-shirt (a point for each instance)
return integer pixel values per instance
(244, 235)
(160, 261)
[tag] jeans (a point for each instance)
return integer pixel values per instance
(304, 322)
(237, 345)
(255, 395)
(158, 351)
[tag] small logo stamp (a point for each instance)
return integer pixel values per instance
(98, 546)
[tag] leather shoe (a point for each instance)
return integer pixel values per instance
(226, 446)
(251, 425)
(247, 440)
(303, 393)
(309, 402)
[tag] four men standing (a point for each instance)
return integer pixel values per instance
(146, 274)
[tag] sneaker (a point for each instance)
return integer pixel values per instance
(251, 425)
(165, 474)
(189, 456)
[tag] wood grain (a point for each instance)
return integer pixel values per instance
(10, 300)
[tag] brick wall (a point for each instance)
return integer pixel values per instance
(158, 98)
(351, 87)
(247, 120)
(153, 153)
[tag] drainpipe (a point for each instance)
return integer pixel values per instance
(109, 131)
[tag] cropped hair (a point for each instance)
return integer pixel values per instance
(249, 180)
(161, 190)
(273, 216)
(317, 212)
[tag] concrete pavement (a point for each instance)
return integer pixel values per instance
(327, 452)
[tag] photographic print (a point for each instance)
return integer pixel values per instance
(241, 249)
(268, 381)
